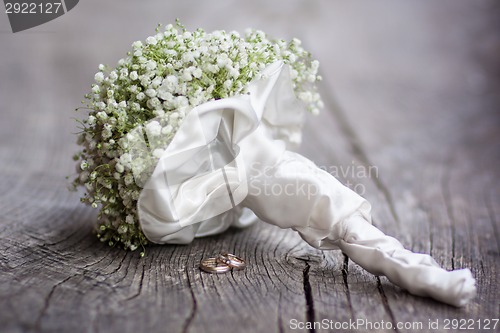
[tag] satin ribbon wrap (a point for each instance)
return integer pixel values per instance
(230, 161)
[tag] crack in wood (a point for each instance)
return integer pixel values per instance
(431, 235)
(491, 214)
(281, 328)
(138, 293)
(386, 305)
(345, 273)
(194, 306)
(445, 190)
(93, 263)
(46, 304)
(310, 315)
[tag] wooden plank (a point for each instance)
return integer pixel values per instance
(403, 92)
(427, 190)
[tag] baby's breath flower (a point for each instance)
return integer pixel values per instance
(133, 75)
(197, 72)
(151, 41)
(151, 92)
(140, 96)
(158, 152)
(113, 76)
(119, 167)
(136, 45)
(91, 120)
(99, 77)
(153, 128)
(163, 78)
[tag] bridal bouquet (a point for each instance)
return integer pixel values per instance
(185, 137)
(164, 77)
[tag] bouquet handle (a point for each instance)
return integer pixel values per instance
(418, 273)
(328, 215)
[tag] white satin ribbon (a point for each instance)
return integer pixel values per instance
(229, 161)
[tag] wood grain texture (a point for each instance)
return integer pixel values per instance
(412, 91)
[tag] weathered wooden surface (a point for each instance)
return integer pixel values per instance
(412, 89)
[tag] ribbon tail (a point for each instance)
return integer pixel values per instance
(418, 273)
(328, 215)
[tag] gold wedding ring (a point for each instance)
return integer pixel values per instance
(232, 261)
(223, 263)
(212, 265)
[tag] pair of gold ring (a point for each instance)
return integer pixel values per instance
(223, 263)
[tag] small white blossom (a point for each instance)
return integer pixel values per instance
(188, 57)
(151, 92)
(163, 93)
(135, 106)
(156, 82)
(186, 76)
(113, 76)
(222, 60)
(128, 179)
(159, 113)
(151, 40)
(153, 128)
(171, 80)
(154, 103)
(180, 101)
(151, 65)
(228, 84)
(137, 44)
(158, 152)
(101, 115)
(91, 120)
(306, 96)
(123, 73)
(167, 130)
(233, 72)
(84, 176)
(129, 219)
(119, 167)
(99, 77)
(197, 73)
(133, 75)
(125, 159)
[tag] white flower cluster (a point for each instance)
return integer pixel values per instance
(162, 79)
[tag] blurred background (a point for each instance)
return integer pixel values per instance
(393, 67)
(412, 88)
